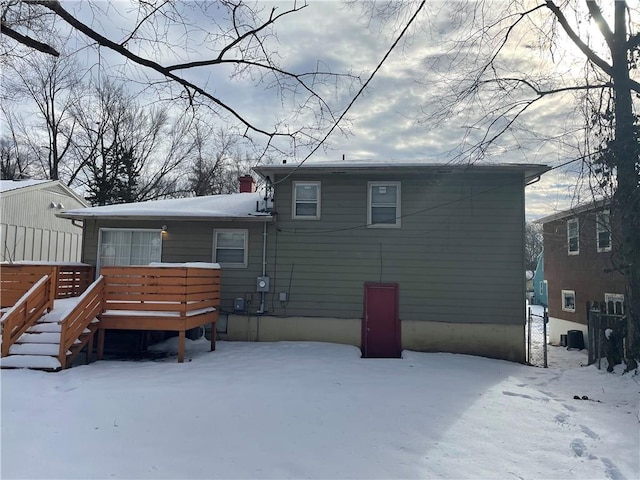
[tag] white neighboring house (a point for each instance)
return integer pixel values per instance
(29, 228)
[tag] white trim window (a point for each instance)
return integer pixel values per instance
(306, 201)
(603, 231)
(615, 303)
(230, 247)
(573, 236)
(569, 300)
(383, 204)
(120, 246)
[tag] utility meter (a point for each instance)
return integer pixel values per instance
(262, 284)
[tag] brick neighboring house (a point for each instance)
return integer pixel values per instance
(578, 266)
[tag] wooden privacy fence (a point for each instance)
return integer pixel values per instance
(172, 298)
(68, 280)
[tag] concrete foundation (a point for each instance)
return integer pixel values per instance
(558, 327)
(494, 341)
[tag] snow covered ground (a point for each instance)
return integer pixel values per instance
(313, 410)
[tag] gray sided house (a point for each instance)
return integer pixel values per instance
(29, 227)
(383, 256)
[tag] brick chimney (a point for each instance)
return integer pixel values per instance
(247, 184)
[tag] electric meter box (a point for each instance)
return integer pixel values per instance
(262, 284)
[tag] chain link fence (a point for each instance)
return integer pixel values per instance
(536, 336)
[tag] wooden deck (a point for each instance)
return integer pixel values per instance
(166, 298)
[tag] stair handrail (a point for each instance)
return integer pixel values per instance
(89, 306)
(25, 312)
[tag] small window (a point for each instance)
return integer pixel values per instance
(306, 200)
(230, 248)
(543, 287)
(615, 303)
(383, 204)
(573, 237)
(568, 300)
(603, 231)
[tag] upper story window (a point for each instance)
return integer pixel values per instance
(306, 200)
(230, 247)
(383, 205)
(573, 237)
(603, 231)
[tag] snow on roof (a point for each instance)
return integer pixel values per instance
(8, 185)
(357, 166)
(234, 205)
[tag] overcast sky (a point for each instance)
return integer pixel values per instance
(389, 120)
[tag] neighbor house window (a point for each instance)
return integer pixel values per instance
(568, 300)
(615, 303)
(230, 247)
(383, 204)
(129, 247)
(543, 287)
(573, 236)
(603, 231)
(306, 200)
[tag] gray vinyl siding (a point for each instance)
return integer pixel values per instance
(457, 256)
(193, 242)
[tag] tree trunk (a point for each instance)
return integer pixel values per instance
(625, 151)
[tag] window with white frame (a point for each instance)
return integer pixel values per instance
(603, 231)
(129, 247)
(230, 247)
(383, 205)
(615, 303)
(573, 237)
(306, 200)
(569, 300)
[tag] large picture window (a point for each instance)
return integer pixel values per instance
(306, 200)
(230, 247)
(573, 237)
(603, 231)
(129, 247)
(383, 205)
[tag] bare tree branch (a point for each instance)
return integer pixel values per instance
(28, 41)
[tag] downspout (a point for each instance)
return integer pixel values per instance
(264, 265)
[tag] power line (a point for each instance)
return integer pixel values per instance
(441, 205)
(353, 100)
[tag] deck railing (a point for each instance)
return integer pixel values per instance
(69, 280)
(26, 311)
(79, 318)
(162, 297)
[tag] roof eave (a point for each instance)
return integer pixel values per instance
(530, 171)
(572, 212)
(253, 218)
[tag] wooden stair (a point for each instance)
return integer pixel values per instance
(39, 347)
(45, 338)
